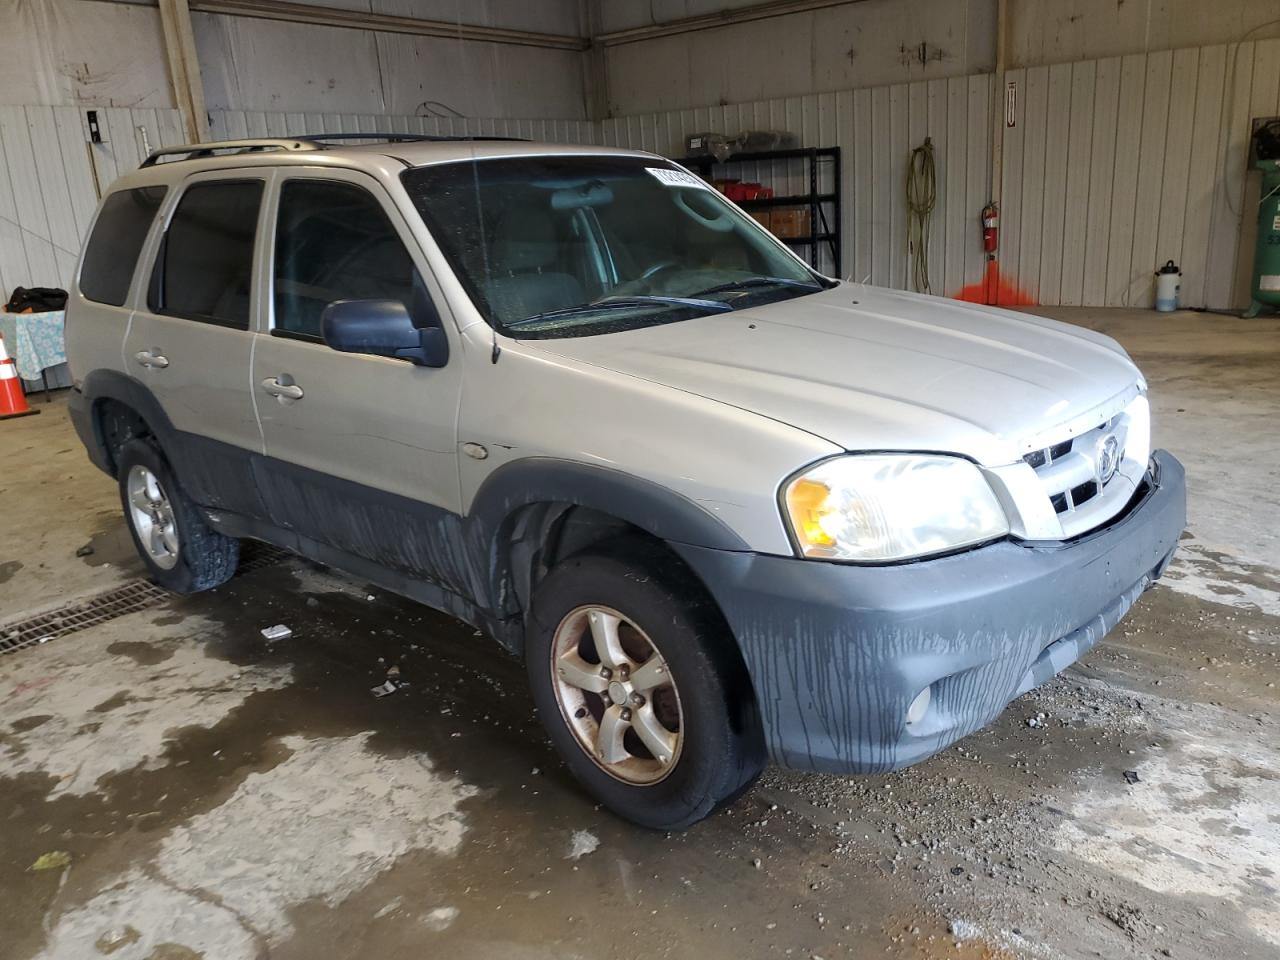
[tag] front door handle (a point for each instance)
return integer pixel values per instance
(284, 392)
(151, 358)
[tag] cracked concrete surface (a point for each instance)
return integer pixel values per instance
(216, 795)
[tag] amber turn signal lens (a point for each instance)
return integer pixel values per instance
(807, 503)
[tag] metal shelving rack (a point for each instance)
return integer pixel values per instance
(824, 206)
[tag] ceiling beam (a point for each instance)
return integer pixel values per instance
(385, 23)
(722, 18)
(184, 68)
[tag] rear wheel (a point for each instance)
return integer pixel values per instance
(182, 552)
(639, 691)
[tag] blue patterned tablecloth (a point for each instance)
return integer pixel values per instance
(34, 340)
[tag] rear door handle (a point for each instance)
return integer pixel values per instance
(149, 358)
(284, 392)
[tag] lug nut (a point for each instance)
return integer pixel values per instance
(626, 714)
(606, 672)
(637, 700)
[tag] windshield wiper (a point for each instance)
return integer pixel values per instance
(750, 282)
(621, 303)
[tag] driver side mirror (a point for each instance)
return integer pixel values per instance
(382, 328)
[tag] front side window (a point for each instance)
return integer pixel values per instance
(557, 246)
(334, 242)
(205, 268)
(117, 239)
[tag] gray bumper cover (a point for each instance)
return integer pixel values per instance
(836, 653)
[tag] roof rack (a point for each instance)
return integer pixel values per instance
(311, 141)
(194, 151)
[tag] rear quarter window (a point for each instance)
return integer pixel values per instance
(116, 241)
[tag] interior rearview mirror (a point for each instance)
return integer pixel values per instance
(382, 328)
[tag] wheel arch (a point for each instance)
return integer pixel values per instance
(120, 409)
(531, 514)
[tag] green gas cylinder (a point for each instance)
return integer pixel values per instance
(1266, 258)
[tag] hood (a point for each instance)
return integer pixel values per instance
(874, 369)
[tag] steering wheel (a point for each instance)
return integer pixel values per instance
(657, 268)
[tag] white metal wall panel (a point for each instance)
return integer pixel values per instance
(1057, 133)
(237, 124)
(1151, 168)
(1201, 176)
(1076, 212)
(953, 172)
(1112, 166)
(1133, 74)
(1030, 224)
(1102, 165)
(1014, 158)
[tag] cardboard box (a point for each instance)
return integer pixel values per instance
(790, 222)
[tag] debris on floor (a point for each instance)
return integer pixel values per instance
(393, 682)
(1131, 777)
(582, 843)
(53, 860)
(278, 632)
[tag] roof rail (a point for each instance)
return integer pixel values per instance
(323, 138)
(311, 141)
(196, 150)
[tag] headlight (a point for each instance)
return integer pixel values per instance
(877, 507)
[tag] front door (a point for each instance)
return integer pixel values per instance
(361, 450)
(189, 343)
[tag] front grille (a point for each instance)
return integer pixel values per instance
(1072, 477)
(1068, 468)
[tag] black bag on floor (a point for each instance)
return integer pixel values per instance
(36, 299)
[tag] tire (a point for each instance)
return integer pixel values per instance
(182, 552)
(718, 748)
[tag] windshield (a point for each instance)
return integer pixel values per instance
(558, 246)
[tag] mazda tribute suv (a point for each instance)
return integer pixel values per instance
(728, 510)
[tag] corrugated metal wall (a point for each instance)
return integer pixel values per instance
(232, 124)
(1113, 167)
(1120, 164)
(49, 176)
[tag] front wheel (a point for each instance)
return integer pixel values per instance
(641, 690)
(182, 552)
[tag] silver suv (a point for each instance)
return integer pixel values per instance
(728, 510)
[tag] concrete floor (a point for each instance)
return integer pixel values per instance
(219, 796)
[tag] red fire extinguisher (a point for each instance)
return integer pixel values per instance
(990, 228)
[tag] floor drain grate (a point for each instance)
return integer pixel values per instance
(134, 596)
(117, 602)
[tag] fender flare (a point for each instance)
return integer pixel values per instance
(651, 507)
(102, 385)
(648, 506)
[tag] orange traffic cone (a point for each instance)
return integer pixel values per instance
(13, 402)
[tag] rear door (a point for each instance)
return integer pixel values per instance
(190, 342)
(361, 450)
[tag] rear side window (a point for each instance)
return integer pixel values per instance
(115, 243)
(334, 242)
(205, 268)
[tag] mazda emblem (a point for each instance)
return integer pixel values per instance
(1107, 459)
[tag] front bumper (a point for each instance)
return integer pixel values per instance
(837, 653)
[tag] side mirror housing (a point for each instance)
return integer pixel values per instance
(383, 328)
